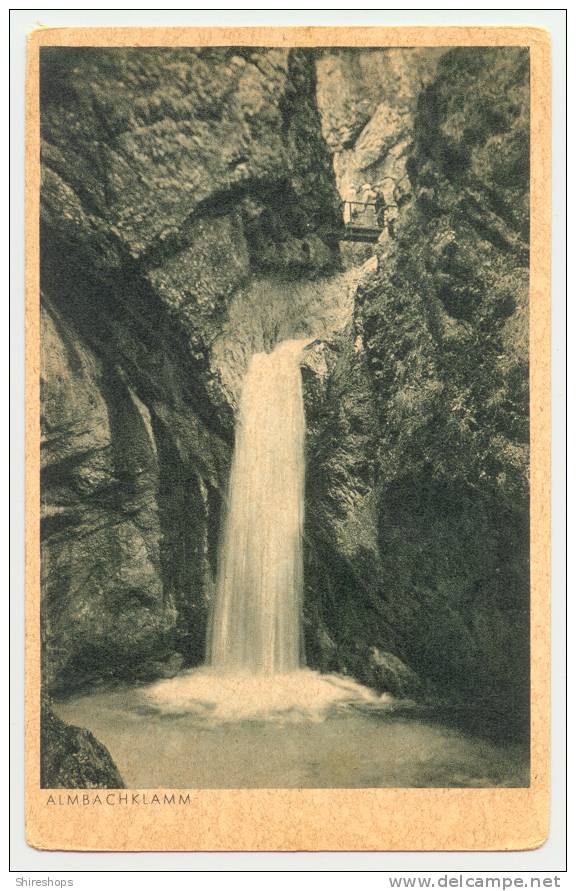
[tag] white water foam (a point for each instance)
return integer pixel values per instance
(222, 697)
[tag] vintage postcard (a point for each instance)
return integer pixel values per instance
(287, 439)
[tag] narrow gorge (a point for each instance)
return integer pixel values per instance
(191, 221)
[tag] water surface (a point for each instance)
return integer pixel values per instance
(201, 730)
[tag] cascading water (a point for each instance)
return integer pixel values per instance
(255, 626)
(254, 666)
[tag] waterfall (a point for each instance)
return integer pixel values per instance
(255, 626)
(254, 668)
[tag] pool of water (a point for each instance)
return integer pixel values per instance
(303, 730)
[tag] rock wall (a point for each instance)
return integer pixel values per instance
(417, 505)
(72, 758)
(174, 182)
(367, 101)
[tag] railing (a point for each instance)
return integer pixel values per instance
(360, 213)
(366, 220)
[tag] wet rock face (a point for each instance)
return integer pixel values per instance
(131, 491)
(72, 758)
(417, 518)
(170, 179)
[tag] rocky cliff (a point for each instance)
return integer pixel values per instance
(180, 189)
(417, 522)
(367, 101)
(190, 216)
(72, 758)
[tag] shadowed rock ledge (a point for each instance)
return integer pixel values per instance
(72, 758)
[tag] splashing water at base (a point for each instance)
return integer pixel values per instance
(215, 697)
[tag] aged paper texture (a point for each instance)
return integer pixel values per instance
(288, 438)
